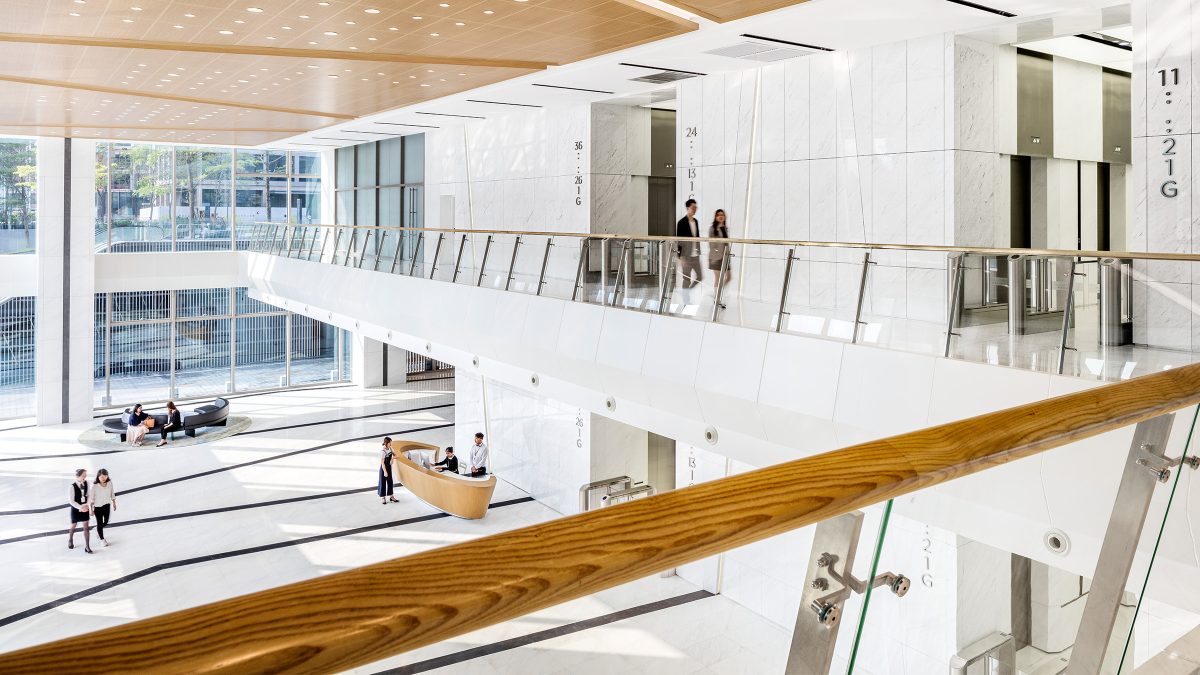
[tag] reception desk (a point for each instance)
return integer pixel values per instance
(457, 495)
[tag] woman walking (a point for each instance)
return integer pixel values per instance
(718, 252)
(80, 510)
(386, 482)
(174, 423)
(103, 500)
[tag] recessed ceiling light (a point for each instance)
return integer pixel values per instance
(412, 77)
(81, 2)
(311, 42)
(354, 49)
(238, 21)
(424, 85)
(286, 27)
(313, 67)
(270, 37)
(333, 76)
(189, 16)
(395, 82)
(463, 74)
(434, 34)
(323, 4)
(331, 33)
(417, 18)
(126, 20)
(392, 28)
(488, 11)
(225, 32)
(459, 23)
(244, 81)
(136, 9)
(371, 39)
(443, 4)
(350, 23)
(346, 70)
(363, 79)
(74, 13)
(379, 74)
(255, 10)
(303, 16)
(429, 71)
(177, 26)
(371, 11)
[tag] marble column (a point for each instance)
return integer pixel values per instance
(65, 279)
(1164, 199)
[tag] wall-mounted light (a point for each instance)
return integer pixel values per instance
(1036, 139)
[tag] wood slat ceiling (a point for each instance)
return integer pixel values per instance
(312, 63)
(723, 11)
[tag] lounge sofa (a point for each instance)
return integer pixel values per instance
(214, 414)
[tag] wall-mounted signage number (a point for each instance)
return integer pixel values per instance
(579, 428)
(578, 173)
(1169, 187)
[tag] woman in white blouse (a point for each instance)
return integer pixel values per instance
(103, 499)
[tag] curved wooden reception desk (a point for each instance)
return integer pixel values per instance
(457, 495)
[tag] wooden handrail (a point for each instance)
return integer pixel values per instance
(975, 250)
(359, 616)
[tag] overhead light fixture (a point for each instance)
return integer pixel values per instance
(126, 20)
(392, 28)
(303, 16)
(350, 23)
(270, 37)
(488, 11)
(177, 26)
(238, 21)
(74, 13)
(285, 27)
(136, 9)
(459, 23)
(371, 11)
(189, 16)
(372, 39)
(331, 33)
(434, 35)
(254, 10)
(225, 32)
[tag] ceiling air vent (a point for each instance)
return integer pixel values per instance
(661, 75)
(766, 49)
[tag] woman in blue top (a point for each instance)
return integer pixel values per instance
(137, 428)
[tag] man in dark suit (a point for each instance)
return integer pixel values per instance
(689, 251)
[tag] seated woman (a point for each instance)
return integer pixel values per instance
(174, 422)
(450, 463)
(136, 431)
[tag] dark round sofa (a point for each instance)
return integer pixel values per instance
(213, 414)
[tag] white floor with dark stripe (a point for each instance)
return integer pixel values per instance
(292, 499)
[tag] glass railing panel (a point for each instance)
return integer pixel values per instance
(495, 266)
(532, 252)
(639, 285)
(823, 292)
(562, 267)
(904, 307)
(749, 279)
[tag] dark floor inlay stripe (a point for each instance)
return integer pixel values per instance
(168, 448)
(345, 419)
(203, 512)
(33, 611)
(231, 467)
(542, 635)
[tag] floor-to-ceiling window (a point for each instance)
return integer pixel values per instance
(198, 198)
(18, 195)
(17, 323)
(381, 183)
(159, 345)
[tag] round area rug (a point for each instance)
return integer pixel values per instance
(96, 439)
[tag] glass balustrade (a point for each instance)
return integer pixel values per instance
(1094, 317)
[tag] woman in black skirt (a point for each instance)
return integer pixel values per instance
(386, 481)
(80, 510)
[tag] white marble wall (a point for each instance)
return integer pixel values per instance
(892, 144)
(620, 142)
(1164, 128)
(52, 248)
(521, 173)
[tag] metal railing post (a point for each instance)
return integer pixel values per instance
(1066, 322)
(351, 248)
(1145, 468)
(787, 279)
(668, 276)
(487, 247)
(316, 231)
(585, 250)
(952, 306)
(412, 265)
(545, 261)
(337, 237)
(717, 306)
(437, 251)
(462, 247)
(512, 263)
(1017, 294)
(862, 294)
(1111, 302)
(399, 250)
(617, 280)
(603, 270)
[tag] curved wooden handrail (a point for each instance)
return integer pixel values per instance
(975, 250)
(359, 616)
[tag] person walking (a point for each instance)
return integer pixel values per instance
(174, 422)
(717, 252)
(103, 500)
(80, 511)
(386, 481)
(689, 251)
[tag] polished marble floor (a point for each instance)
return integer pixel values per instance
(292, 499)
